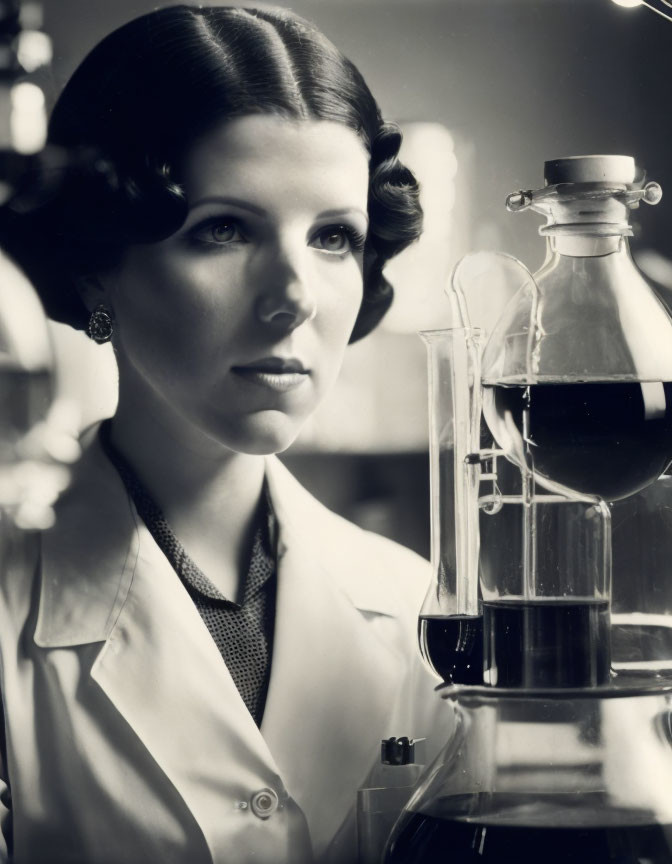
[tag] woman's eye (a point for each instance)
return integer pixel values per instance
(338, 239)
(219, 233)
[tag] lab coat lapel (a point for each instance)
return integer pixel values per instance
(318, 724)
(200, 733)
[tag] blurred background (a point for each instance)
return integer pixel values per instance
(485, 91)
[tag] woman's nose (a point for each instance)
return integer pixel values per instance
(286, 300)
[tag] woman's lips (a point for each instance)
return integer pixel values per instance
(275, 374)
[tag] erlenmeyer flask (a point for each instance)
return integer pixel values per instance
(553, 777)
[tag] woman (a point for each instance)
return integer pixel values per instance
(201, 660)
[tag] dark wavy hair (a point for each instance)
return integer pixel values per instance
(153, 86)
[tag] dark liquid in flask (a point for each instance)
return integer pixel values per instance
(547, 643)
(453, 646)
(601, 438)
(427, 839)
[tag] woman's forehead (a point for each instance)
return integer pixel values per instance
(273, 156)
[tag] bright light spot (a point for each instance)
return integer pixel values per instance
(628, 4)
(34, 50)
(31, 15)
(25, 333)
(27, 97)
(655, 403)
(28, 118)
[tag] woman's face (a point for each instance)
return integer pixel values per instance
(235, 326)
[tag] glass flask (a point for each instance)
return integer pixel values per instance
(558, 756)
(553, 777)
(577, 386)
(576, 392)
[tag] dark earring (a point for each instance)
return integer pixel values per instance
(101, 325)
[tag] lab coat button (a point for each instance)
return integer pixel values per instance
(264, 803)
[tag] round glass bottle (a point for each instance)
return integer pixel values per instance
(577, 373)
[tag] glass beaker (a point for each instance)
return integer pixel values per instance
(555, 776)
(450, 623)
(641, 634)
(545, 576)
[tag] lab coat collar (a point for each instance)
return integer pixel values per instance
(85, 585)
(89, 557)
(119, 589)
(323, 537)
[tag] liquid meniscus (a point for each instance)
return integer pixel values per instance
(608, 439)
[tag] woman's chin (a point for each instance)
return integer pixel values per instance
(264, 433)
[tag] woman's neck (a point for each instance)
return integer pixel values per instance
(207, 493)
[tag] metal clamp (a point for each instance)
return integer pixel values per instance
(487, 459)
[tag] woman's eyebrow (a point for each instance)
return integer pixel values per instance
(342, 212)
(229, 200)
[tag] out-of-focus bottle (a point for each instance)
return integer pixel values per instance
(26, 358)
(30, 473)
(381, 800)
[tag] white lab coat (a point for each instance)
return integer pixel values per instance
(126, 738)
